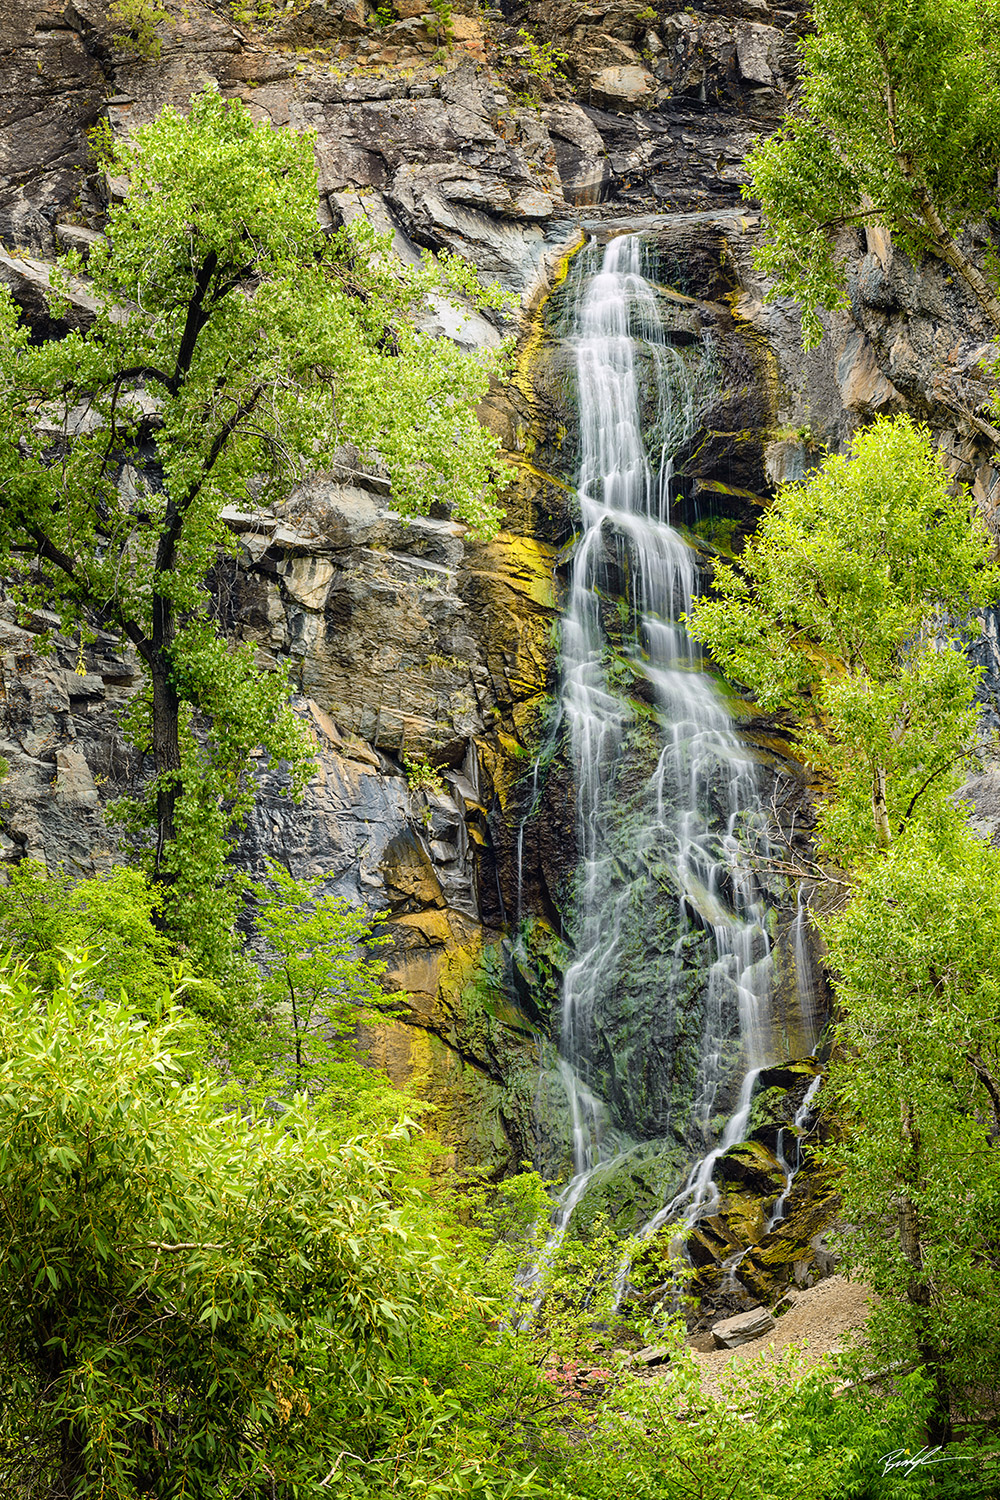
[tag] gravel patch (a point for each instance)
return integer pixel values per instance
(819, 1323)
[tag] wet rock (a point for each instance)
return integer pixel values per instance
(753, 1166)
(630, 1189)
(743, 1328)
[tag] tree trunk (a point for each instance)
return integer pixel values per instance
(880, 807)
(938, 1430)
(954, 256)
(166, 745)
(71, 1461)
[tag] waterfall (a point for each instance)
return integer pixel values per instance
(666, 792)
(803, 1118)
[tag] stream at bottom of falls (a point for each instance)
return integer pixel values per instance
(667, 1014)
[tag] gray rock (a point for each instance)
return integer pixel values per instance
(28, 280)
(581, 159)
(74, 783)
(625, 87)
(743, 1328)
(756, 47)
(651, 1356)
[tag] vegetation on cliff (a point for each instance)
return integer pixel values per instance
(857, 576)
(897, 126)
(235, 346)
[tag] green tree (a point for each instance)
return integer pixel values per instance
(317, 986)
(193, 1302)
(235, 346)
(918, 1091)
(841, 610)
(897, 125)
(114, 918)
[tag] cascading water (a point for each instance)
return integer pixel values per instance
(665, 790)
(803, 1118)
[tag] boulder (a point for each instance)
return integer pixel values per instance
(743, 1328)
(757, 49)
(322, 20)
(626, 88)
(580, 156)
(73, 780)
(652, 1355)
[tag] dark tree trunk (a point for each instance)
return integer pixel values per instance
(938, 1430)
(165, 728)
(166, 759)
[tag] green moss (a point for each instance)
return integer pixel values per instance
(628, 1190)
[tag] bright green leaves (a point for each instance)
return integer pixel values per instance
(317, 987)
(210, 193)
(841, 610)
(845, 612)
(189, 1297)
(288, 341)
(898, 125)
(115, 919)
(804, 186)
(919, 1092)
(236, 348)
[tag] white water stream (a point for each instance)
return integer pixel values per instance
(703, 791)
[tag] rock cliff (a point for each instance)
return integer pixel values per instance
(453, 129)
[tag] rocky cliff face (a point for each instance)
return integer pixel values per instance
(413, 640)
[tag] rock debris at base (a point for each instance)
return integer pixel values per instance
(821, 1321)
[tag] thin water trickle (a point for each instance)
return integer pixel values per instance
(702, 791)
(803, 1116)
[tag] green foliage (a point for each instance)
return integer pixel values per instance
(240, 346)
(918, 1088)
(316, 987)
(421, 776)
(208, 1303)
(841, 604)
(442, 10)
(545, 60)
(194, 1302)
(265, 13)
(113, 918)
(135, 24)
(898, 126)
(767, 1433)
(237, 708)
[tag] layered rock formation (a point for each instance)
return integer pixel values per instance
(415, 640)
